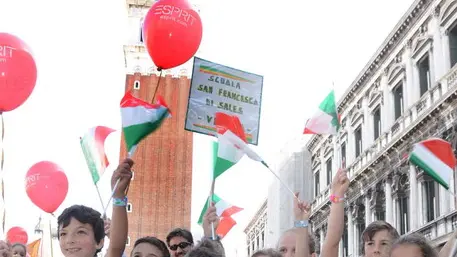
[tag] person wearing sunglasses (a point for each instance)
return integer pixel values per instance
(180, 241)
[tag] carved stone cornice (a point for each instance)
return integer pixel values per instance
(396, 37)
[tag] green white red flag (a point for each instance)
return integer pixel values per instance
(435, 157)
(224, 210)
(232, 144)
(326, 120)
(93, 146)
(139, 119)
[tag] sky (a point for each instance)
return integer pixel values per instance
(301, 48)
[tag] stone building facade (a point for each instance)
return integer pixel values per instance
(405, 94)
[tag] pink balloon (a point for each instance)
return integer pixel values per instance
(17, 235)
(46, 185)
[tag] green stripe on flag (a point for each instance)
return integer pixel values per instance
(89, 160)
(421, 164)
(329, 106)
(135, 133)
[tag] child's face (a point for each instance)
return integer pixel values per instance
(78, 240)
(406, 250)
(380, 245)
(19, 251)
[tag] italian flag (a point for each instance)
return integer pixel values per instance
(225, 211)
(232, 144)
(326, 120)
(93, 146)
(436, 157)
(139, 119)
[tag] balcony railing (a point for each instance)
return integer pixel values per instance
(417, 112)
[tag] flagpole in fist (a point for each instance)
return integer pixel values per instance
(122, 175)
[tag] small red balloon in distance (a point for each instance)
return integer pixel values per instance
(172, 33)
(18, 72)
(17, 235)
(46, 185)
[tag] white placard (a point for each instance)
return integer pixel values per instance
(217, 88)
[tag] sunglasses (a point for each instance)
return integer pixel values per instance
(181, 245)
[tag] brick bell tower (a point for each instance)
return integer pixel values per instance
(160, 192)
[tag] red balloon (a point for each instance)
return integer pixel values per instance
(172, 32)
(46, 185)
(17, 235)
(18, 72)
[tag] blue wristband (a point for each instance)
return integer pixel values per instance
(120, 201)
(301, 224)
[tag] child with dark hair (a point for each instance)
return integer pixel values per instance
(19, 250)
(81, 230)
(150, 246)
(413, 245)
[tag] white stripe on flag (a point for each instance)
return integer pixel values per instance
(138, 115)
(439, 167)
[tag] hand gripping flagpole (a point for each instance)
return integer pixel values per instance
(129, 155)
(210, 201)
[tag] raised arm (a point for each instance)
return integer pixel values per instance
(335, 229)
(119, 224)
(301, 215)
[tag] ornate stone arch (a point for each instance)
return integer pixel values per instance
(448, 9)
(419, 42)
(394, 71)
(356, 115)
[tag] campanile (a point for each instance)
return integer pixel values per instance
(160, 192)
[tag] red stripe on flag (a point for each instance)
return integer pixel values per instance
(226, 122)
(442, 150)
(230, 211)
(100, 135)
(130, 101)
(225, 225)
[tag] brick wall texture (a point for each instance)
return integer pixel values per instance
(161, 190)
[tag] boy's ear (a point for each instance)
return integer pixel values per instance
(101, 244)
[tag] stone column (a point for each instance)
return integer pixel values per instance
(336, 156)
(386, 109)
(410, 96)
(350, 148)
(413, 200)
(356, 238)
(323, 171)
(443, 199)
(389, 202)
(341, 249)
(367, 131)
(367, 208)
(350, 233)
(438, 56)
(446, 51)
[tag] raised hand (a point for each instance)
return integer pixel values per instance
(340, 183)
(124, 173)
(302, 209)
(210, 217)
(5, 249)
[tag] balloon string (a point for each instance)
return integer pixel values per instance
(2, 161)
(157, 87)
